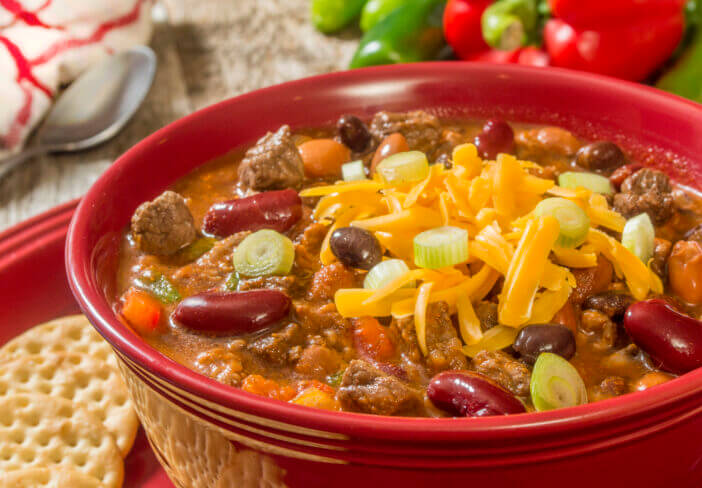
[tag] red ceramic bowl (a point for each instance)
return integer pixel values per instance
(208, 434)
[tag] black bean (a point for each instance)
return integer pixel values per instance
(355, 247)
(602, 155)
(353, 132)
(532, 340)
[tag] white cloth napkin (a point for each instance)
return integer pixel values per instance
(47, 43)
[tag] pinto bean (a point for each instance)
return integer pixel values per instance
(392, 144)
(685, 271)
(323, 158)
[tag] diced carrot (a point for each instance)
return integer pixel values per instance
(372, 339)
(141, 311)
(258, 385)
(306, 384)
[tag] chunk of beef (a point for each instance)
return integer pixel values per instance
(611, 386)
(320, 317)
(225, 364)
(443, 346)
(274, 163)
(502, 368)
(328, 280)
(694, 234)
(599, 328)
(661, 251)
(212, 268)
(364, 388)
(421, 130)
(487, 314)
(163, 225)
(610, 303)
(649, 191)
(274, 348)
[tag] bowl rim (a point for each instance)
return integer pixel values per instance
(553, 423)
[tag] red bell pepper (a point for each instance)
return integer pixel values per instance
(598, 13)
(462, 26)
(623, 38)
(528, 56)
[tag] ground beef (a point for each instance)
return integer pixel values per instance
(421, 130)
(286, 284)
(648, 191)
(546, 145)
(599, 328)
(661, 251)
(611, 386)
(273, 348)
(163, 225)
(328, 280)
(273, 163)
(309, 245)
(610, 303)
(694, 234)
(487, 314)
(443, 345)
(318, 362)
(316, 317)
(404, 329)
(364, 388)
(212, 268)
(502, 368)
(590, 281)
(223, 363)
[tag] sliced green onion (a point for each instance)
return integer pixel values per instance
(159, 286)
(574, 222)
(441, 247)
(589, 181)
(264, 253)
(638, 236)
(353, 171)
(404, 167)
(384, 272)
(555, 383)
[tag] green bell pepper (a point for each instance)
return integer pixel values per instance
(685, 77)
(411, 33)
(376, 10)
(332, 15)
(509, 24)
(159, 286)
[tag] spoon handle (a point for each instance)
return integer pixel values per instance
(16, 159)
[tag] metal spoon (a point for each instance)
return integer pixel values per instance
(95, 107)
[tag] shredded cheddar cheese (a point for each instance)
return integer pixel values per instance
(494, 201)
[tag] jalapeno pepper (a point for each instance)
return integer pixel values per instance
(510, 24)
(411, 33)
(332, 15)
(622, 38)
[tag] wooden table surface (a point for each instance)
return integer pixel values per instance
(208, 50)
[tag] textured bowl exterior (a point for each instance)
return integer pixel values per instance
(207, 434)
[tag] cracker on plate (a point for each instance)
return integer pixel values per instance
(53, 477)
(43, 431)
(79, 378)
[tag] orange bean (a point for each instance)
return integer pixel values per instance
(652, 379)
(566, 317)
(685, 271)
(392, 144)
(323, 158)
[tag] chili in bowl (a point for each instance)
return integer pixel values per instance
(405, 260)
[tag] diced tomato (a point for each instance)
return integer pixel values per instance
(316, 398)
(372, 339)
(141, 311)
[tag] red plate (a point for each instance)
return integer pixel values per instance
(33, 289)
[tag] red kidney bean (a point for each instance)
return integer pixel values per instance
(534, 339)
(232, 313)
(672, 339)
(277, 210)
(496, 137)
(468, 394)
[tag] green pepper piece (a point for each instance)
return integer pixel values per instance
(376, 10)
(199, 247)
(509, 24)
(159, 286)
(334, 380)
(332, 15)
(410, 34)
(232, 282)
(684, 78)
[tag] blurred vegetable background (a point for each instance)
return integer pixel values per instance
(652, 41)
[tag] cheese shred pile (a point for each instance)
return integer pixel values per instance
(494, 201)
